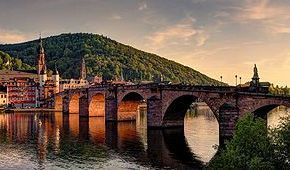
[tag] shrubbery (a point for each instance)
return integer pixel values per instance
(255, 147)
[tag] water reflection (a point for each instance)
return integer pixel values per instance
(57, 141)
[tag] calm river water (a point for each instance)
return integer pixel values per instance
(56, 141)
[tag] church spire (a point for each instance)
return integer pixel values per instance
(83, 71)
(40, 46)
(41, 67)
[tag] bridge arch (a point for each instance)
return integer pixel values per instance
(264, 110)
(97, 105)
(177, 107)
(74, 103)
(128, 106)
(261, 107)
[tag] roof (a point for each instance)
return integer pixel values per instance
(28, 71)
(264, 83)
(19, 73)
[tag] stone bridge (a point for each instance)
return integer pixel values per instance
(166, 104)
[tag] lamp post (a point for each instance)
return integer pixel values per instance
(240, 80)
(221, 78)
(236, 76)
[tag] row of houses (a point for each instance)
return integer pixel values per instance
(30, 88)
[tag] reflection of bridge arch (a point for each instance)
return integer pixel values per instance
(58, 103)
(170, 148)
(129, 105)
(74, 103)
(97, 105)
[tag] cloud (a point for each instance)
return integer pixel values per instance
(178, 31)
(272, 17)
(7, 36)
(261, 10)
(198, 1)
(143, 5)
(116, 17)
(183, 33)
(280, 28)
(201, 38)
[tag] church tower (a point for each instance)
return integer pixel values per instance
(40, 58)
(83, 71)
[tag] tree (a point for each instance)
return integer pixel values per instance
(250, 148)
(280, 137)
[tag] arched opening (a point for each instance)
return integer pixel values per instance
(272, 114)
(58, 103)
(97, 106)
(200, 125)
(129, 106)
(74, 103)
(175, 113)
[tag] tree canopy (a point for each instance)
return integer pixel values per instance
(11, 63)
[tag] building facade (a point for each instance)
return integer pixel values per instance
(3, 97)
(32, 88)
(22, 92)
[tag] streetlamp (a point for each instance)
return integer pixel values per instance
(221, 78)
(236, 76)
(240, 80)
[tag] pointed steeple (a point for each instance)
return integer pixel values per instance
(40, 46)
(40, 57)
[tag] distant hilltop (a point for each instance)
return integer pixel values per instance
(104, 57)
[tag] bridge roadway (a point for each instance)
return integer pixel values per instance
(166, 104)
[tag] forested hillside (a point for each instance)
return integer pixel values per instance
(104, 57)
(11, 63)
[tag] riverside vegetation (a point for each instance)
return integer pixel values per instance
(253, 146)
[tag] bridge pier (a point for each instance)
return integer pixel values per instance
(228, 116)
(154, 112)
(111, 109)
(84, 106)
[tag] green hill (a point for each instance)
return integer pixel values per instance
(104, 57)
(11, 63)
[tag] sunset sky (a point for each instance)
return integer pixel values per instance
(215, 37)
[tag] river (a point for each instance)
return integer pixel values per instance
(57, 141)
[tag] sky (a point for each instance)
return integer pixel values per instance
(216, 37)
